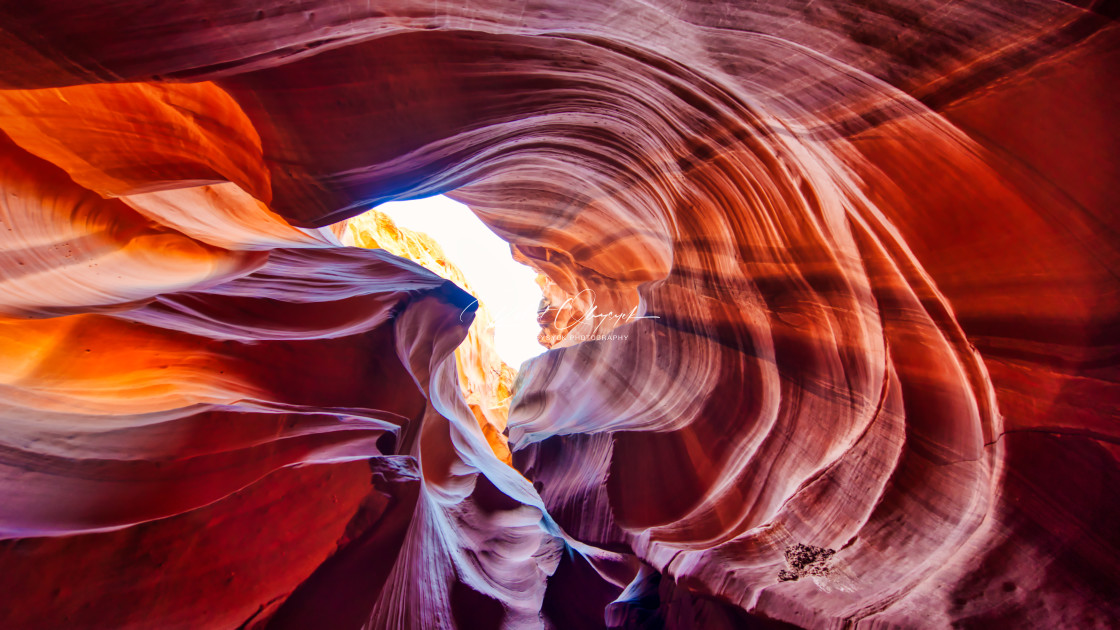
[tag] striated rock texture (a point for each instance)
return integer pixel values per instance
(486, 380)
(858, 263)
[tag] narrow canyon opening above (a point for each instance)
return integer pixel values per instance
(507, 288)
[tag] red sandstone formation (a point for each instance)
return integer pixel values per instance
(871, 250)
(486, 381)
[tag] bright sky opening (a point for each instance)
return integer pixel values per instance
(507, 288)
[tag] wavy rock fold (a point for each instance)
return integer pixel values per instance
(839, 341)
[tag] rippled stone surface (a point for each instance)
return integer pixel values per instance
(486, 380)
(838, 276)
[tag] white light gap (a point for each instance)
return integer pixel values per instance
(507, 288)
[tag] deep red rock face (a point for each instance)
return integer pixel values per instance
(870, 376)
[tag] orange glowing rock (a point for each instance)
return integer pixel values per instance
(861, 260)
(486, 380)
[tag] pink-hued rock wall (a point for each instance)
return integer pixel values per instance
(868, 254)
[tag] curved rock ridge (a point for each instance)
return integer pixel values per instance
(180, 363)
(486, 380)
(835, 315)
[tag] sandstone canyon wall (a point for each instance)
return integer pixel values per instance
(871, 248)
(486, 380)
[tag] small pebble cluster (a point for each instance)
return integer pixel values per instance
(805, 560)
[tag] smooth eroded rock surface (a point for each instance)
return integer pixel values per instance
(831, 276)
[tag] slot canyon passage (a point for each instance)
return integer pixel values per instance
(869, 248)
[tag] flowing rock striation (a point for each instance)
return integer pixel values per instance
(856, 264)
(486, 380)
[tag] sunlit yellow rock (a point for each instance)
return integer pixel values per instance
(486, 380)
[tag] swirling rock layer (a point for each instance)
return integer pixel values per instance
(486, 380)
(838, 277)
